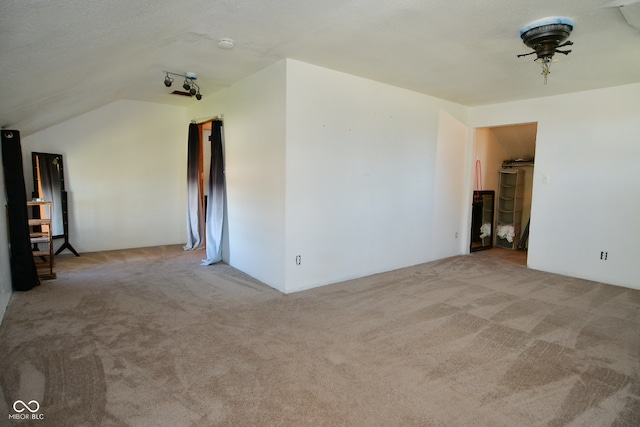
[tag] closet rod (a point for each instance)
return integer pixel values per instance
(200, 120)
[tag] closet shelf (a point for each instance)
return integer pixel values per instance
(41, 238)
(510, 199)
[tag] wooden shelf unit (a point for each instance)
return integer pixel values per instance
(42, 239)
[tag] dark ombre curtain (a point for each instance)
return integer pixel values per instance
(194, 201)
(24, 275)
(216, 196)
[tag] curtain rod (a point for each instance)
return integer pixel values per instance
(200, 120)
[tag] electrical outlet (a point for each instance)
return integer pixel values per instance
(456, 234)
(604, 255)
(298, 259)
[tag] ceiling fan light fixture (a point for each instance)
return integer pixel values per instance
(559, 23)
(545, 36)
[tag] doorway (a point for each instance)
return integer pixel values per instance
(506, 148)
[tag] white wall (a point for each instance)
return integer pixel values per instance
(5, 265)
(355, 176)
(375, 177)
(491, 155)
(587, 148)
(527, 197)
(125, 172)
(340, 170)
(449, 231)
(254, 125)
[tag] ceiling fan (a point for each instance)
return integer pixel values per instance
(545, 36)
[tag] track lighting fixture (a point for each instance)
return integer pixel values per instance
(189, 85)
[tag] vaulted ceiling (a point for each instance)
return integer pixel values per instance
(61, 59)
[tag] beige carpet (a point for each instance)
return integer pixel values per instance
(148, 337)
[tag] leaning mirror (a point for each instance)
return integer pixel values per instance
(48, 182)
(482, 220)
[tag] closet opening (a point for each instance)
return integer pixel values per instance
(206, 190)
(503, 162)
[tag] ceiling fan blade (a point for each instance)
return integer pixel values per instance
(526, 54)
(179, 92)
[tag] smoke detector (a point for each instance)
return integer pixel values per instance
(226, 43)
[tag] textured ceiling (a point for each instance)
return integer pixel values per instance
(518, 141)
(61, 59)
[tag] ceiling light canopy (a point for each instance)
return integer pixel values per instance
(545, 36)
(189, 85)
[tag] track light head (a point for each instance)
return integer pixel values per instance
(168, 81)
(198, 96)
(186, 85)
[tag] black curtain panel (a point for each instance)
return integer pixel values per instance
(216, 196)
(194, 203)
(24, 275)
